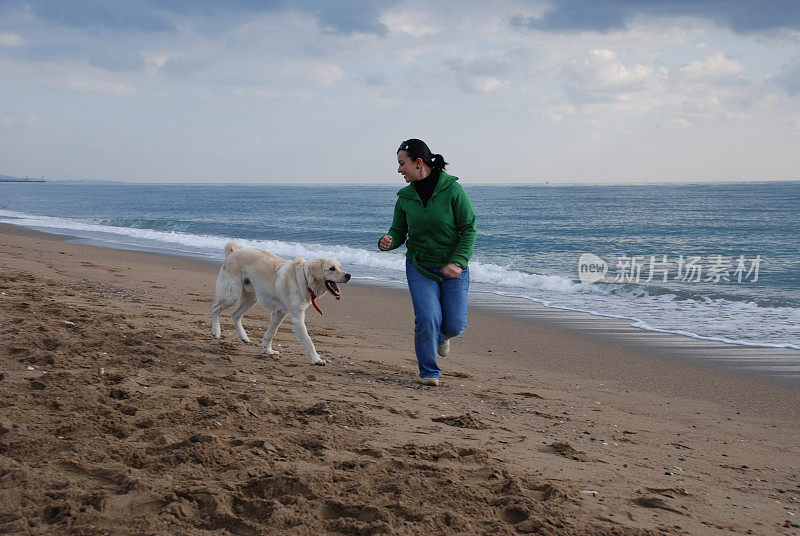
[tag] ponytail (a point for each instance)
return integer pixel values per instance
(437, 163)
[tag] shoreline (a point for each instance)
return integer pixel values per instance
(781, 365)
(130, 418)
(713, 345)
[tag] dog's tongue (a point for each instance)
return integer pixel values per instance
(336, 290)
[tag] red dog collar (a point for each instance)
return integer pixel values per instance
(314, 297)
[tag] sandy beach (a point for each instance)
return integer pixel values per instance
(120, 414)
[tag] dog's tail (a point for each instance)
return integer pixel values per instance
(230, 247)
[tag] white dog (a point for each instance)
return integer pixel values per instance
(282, 286)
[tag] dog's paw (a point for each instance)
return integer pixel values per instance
(270, 351)
(215, 333)
(319, 361)
(245, 339)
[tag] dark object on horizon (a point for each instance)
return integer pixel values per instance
(6, 178)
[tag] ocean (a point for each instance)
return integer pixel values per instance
(714, 262)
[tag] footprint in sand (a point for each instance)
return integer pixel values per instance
(565, 450)
(372, 452)
(462, 421)
(656, 503)
(514, 515)
(363, 513)
(528, 394)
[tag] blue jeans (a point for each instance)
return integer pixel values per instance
(440, 312)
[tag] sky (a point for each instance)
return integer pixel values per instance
(325, 91)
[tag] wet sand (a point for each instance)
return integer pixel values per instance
(119, 414)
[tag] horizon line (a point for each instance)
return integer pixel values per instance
(383, 182)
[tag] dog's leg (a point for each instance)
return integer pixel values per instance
(275, 321)
(300, 330)
(248, 300)
(215, 329)
(228, 291)
(216, 309)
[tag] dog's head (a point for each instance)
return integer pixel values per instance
(325, 275)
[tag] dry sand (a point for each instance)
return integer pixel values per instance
(131, 419)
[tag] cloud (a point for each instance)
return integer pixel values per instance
(76, 76)
(479, 66)
(483, 84)
(131, 15)
(153, 16)
(710, 88)
(181, 65)
(674, 123)
(480, 74)
(601, 76)
(740, 16)
(96, 85)
(716, 67)
(11, 40)
(557, 113)
(310, 72)
(410, 23)
(789, 78)
(118, 60)
(10, 120)
(715, 87)
(226, 42)
(571, 16)
(374, 79)
(362, 16)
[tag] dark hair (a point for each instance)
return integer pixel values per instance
(419, 149)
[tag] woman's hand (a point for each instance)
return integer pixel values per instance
(452, 270)
(385, 243)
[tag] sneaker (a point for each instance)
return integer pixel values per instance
(444, 348)
(430, 381)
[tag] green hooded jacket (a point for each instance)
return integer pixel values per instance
(438, 234)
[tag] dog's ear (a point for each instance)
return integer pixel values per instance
(315, 269)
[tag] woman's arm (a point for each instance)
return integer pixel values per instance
(466, 226)
(397, 232)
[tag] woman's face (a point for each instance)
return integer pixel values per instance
(408, 168)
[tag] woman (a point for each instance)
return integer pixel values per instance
(434, 217)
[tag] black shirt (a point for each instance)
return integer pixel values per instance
(426, 186)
